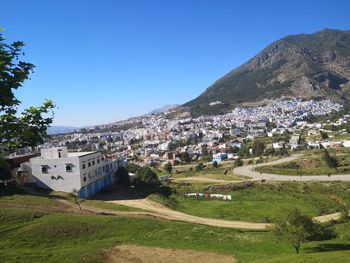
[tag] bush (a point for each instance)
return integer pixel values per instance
(199, 167)
(185, 157)
(168, 167)
(5, 171)
(132, 167)
(122, 175)
(146, 177)
(238, 162)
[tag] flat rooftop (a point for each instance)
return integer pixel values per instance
(77, 154)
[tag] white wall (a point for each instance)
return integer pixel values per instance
(57, 167)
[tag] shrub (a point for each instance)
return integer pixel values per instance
(146, 177)
(199, 167)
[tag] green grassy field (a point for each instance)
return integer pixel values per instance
(30, 232)
(264, 201)
(29, 236)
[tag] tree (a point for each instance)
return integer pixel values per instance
(76, 199)
(19, 130)
(146, 177)
(123, 175)
(5, 171)
(258, 147)
(168, 167)
(207, 158)
(132, 167)
(324, 135)
(238, 162)
(205, 150)
(185, 157)
(294, 229)
(199, 167)
(331, 162)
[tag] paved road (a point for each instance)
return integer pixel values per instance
(249, 171)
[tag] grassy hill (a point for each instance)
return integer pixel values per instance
(31, 232)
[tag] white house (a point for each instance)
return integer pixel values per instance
(84, 172)
(346, 143)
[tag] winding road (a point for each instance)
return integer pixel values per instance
(249, 171)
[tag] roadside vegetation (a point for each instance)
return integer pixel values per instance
(316, 162)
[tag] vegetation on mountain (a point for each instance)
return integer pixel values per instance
(307, 66)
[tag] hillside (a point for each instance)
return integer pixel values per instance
(308, 66)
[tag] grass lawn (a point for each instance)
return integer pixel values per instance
(77, 238)
(264, 201)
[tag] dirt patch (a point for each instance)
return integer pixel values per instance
(141, 254)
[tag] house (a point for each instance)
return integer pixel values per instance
(346, 143)
(278, 145)
(235, 132)
(84, 172)
(294, 141)
(219, 157)
(312, 132)
(16, 163)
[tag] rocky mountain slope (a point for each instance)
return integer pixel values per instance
(309, 66)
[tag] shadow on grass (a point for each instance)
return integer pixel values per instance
(120, 192)
(330, 247)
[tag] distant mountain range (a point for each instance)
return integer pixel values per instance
(163, 109)
(308, 66)
(53, 130)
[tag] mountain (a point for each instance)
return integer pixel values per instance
(163, 109)
(60, 129)
(308, 66)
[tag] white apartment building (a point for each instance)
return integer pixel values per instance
(84, 172)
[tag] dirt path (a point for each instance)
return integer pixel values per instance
(179, 216)
(327, 218)
(141, 254)
(249, 171)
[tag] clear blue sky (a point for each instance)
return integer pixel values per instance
(106, 60)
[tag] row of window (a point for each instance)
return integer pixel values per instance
(91, 163)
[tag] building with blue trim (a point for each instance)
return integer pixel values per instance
(85, 173)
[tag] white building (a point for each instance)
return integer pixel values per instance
(84, 172)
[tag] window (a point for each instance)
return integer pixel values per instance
(89, 164)
(59, 154)
(84, 178)
(44, 169)
(93, 162)
(98, 160)
(68, 168)
(83, 165)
